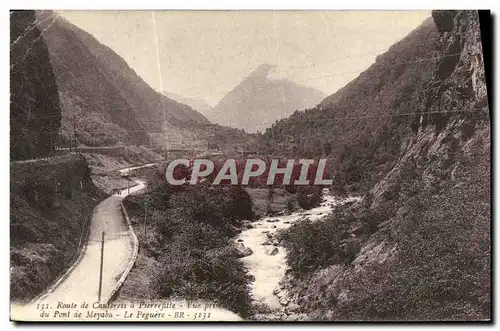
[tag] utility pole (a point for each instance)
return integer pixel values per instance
(50, 135)
(128, 185)
(100, 270)
(74, 135)
(145, 218)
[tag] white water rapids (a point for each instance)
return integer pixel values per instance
(267, 266)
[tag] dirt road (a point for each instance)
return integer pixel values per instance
(82, 282)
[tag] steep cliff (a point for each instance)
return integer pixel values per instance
(35, 114)
(417, 247)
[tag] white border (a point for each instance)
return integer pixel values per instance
(193, 4)
(256, 4)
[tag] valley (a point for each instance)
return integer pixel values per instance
(279, 203)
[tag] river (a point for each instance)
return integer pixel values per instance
(267, 263)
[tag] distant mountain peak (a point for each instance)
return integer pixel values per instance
(262, 71)
(258, 101)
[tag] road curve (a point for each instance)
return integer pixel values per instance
(80, 284)
(81, 281)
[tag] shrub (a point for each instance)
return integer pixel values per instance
(193, 273)
(194, 259)
(312, 245)
(309, 197)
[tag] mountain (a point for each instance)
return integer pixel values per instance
(198, 104)
(258, 101)
(412, 136)
(35, 113)
(354, 127)
(103, 100)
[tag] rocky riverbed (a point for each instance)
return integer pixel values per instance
(264, 256)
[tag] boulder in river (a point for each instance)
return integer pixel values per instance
(242, 250)
(284, 301)
(236, 229)
(284, 212)
(272, 251)
(273, 220)
(282, 294)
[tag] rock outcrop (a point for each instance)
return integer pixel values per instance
(414, 235)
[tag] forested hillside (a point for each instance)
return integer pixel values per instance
(417, 247)
(104, 101)
(35, 114)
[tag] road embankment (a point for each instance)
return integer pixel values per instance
(51, 203)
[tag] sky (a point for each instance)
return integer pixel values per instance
(205, 54)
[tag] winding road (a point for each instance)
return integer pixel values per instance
(80, 284)
(82, 281)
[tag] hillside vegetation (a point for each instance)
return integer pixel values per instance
(51, 198)
(105, 102)
(417, 247)
(51, 201)
(354, 127)
(185, 250)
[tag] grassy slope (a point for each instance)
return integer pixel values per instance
(104, 102)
